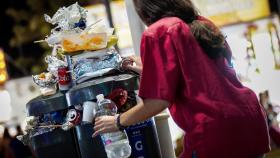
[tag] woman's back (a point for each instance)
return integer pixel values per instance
(222, 118)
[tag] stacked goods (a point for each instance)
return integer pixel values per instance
(89, 50)
(80, 53)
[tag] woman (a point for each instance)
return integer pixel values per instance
(186, 68)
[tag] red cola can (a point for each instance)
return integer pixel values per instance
(64, 78)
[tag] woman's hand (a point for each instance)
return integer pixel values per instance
(137, 68)
(105, 124)
(139, 113)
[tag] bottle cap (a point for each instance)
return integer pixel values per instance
(100, 97)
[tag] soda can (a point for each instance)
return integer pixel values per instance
(64, 79)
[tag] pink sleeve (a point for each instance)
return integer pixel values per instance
(161, 70)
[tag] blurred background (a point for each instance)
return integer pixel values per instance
(251, 27)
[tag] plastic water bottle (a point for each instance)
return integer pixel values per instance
(116, 143)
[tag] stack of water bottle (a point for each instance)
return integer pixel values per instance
(116, 143)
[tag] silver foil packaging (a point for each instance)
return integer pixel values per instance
(96, 65)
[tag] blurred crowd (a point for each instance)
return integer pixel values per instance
(11, 147)
(273, 117)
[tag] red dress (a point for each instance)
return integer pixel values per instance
(221, 117)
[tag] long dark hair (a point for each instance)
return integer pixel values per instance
(207, 34)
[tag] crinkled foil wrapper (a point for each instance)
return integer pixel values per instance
(67, 126)
(32, 130)
(54, 64)
(68, 18)
(85, 66)
(26, 139)
(44, 83)
(40, 131)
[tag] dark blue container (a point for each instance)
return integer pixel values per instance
(55, 144)
(89, 147)
(143, 140)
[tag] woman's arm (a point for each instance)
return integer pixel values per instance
(141, 112)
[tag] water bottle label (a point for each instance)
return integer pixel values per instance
(105, 140)
(110, 138)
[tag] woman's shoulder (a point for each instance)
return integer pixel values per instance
(164, 25)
